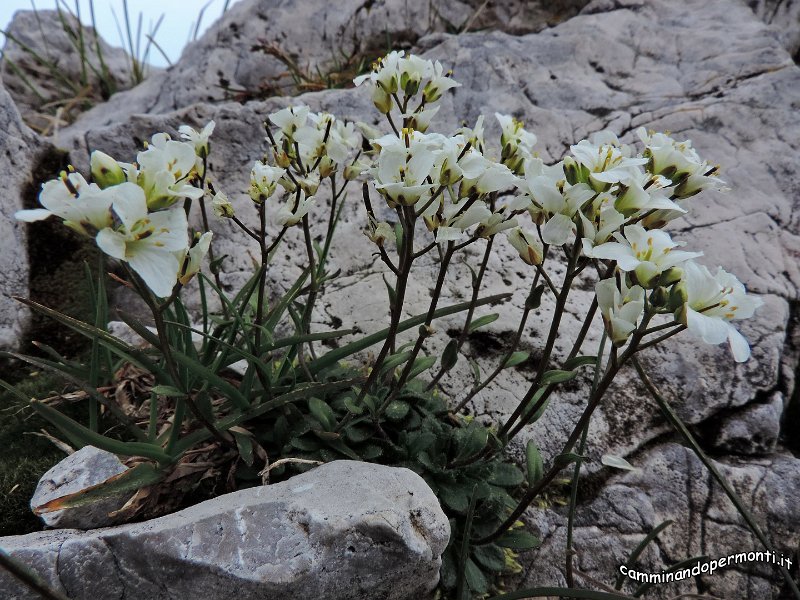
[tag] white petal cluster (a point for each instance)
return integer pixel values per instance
(132, 209)
(401, 76)
(712, 302)
(621, 307)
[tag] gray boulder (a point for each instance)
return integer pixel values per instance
(21, 152)
(87, 467)
(42, 46)
(346, 530)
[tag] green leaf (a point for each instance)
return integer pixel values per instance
(132, 355)
(351, 406)
(450, 355)
(395, 360)
(455, 497)
(617, 462)
(168, 390)
(476, 580)
(518, 539)
(421, 365)
(206, 374)
(82, 436)
(515, 359)
(557, 376)
(506, 475)
(533, 462)
(476, 372)
(391, 291)
(490, 556)
(397, 409)
(534, 299)
(634, 555)
(132, 480)
(471, 439)
(482, 321)
(322, 413)
(562, 460)
(245, 445)
(579, 361)
(305, 444)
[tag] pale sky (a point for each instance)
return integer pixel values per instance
(180, 18)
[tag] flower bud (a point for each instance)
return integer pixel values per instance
(380, 233)
(263, 180)
(659, 296)
(670, 276)
(221, 206)
(678, 296)
(106, 171)
(381, 100)
(326, 167)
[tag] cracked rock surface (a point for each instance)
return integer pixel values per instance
(21, 150)
(345, 530)
(713, 72)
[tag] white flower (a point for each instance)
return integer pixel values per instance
(342, 140)
(495, 223)
(221, 206)
(263, 180)
(193, 259)
(105, 170)
(164, 171)
(621, 307)
(483, 176)
(645, 253)
(148, 242)
(199, 139)
(527, 244)
(456, 219)
(605, 221)
(641, 192)
(713, 301)
(554, 202)
(516, 143)
(401, 173)
(290, 119)
(439, 82)
(80, 204)
(474, 135)
(292, 211)
(605, 159)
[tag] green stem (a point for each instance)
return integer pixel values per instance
(573, 500)
(476, 288)
(558, 313)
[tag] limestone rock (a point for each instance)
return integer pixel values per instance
(87, 467)
(43, 33)
(672, 484)
(753, 430)
(784, 16)
(21, 151)
(346, 530)
(315, 36)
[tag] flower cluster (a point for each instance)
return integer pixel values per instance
(134, 211)
(606, 200)
(307, 148)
